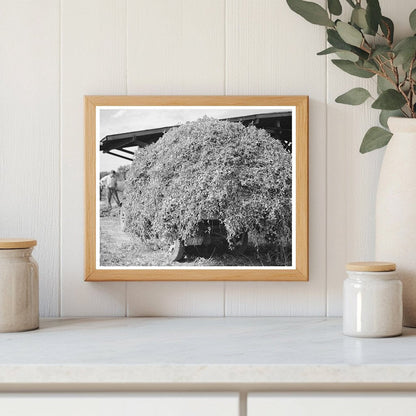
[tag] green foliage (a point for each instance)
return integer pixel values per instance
(387, 27)
(334, 7)
(383, 84)
(386, 114)
(375, 138)
(373, 15)
(389, 100)
(336, 41)
(405, 52)
(359, 18)
(327, 51)
(210, 169)
(352, 68)
(355, 96)
(311, 12)
(412, 20)
(347, 56)
(349, 34)
(365, 43)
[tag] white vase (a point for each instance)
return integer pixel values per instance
(396, 210)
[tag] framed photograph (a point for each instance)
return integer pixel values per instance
(196, 188)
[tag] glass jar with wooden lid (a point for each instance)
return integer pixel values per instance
(19, 286)
(372, 300)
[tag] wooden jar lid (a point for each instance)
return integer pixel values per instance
(11, 243)
(371, 266)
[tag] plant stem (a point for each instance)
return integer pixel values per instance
(411, 92)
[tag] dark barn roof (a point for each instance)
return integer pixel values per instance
(278, 125)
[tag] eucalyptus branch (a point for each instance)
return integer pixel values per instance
(385, 75)
(365, 55)
(411, 82)
(395, 71)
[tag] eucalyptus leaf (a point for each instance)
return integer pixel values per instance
(405, 51)
(373, 15)
(392, 75)
(375, 138)
(358, 18)
(356, 96)
(349, 34)
(389, 100)
(327, 51)
(387, 27)
(311, 12)
(412, 20)
(348, 56)
(335, 40)
(334, 7)
(386, 114)
(381, 50)
(352, 68)
(361, 53)
(383, 84)
(371, 64)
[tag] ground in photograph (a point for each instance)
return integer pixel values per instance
(119, 249)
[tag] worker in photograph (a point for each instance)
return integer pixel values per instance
(110, 182)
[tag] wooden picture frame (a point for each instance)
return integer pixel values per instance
(94, 107)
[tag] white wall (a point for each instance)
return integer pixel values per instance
(55, 52)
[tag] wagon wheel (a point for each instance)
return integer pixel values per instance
(176, 251)
(240, 244)
(122, 218)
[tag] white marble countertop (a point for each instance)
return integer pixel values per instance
(185, 352)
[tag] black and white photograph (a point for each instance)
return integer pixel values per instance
(195, 187)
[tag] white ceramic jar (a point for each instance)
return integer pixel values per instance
(372, 300)
(19, 286)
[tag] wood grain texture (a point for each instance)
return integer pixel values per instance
(352, 177)
(93, 60)
(299, 273)
(11, 243)
(262, 58)
(176, 47)
(29, 142)
(371, 266)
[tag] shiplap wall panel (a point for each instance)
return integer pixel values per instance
(29, 142)
(174, 47)
(93, 61)
(353, 177)
(266, 55)
(177, 48)
(175, 299)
